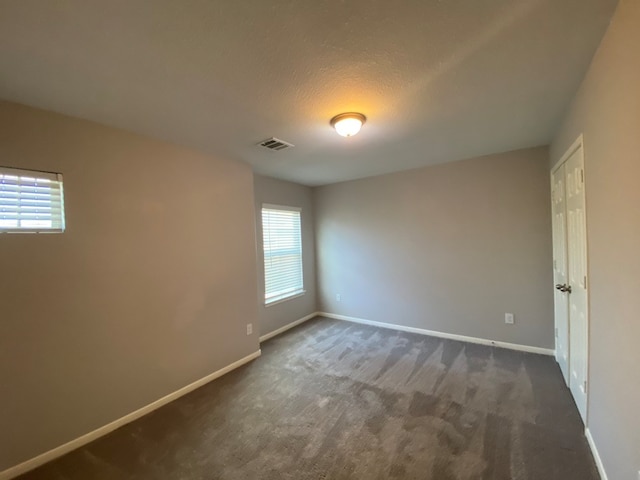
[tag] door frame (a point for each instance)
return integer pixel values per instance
(579, 143)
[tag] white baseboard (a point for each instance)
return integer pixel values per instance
(45, 457)
(596, 455)
(450, 336)
(288, 326)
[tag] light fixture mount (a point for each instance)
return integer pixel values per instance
(348, 124)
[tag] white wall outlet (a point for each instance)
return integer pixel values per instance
(249, 328)
(508, 318)
(338, 297)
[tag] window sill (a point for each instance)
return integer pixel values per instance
(290, 297)
(30, 230)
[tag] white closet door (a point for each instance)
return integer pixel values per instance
(561, 300)
(577, 281)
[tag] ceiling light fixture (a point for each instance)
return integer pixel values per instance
(348, 124)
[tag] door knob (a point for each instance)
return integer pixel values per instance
(563, 287)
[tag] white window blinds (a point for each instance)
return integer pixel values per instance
(30, 201)
(282, 253)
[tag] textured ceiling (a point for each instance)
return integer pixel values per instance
(439, 80)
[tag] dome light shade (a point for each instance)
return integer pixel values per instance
(348, 124)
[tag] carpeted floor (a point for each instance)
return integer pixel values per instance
(335, 400)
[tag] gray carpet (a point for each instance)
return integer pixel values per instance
(334, 400)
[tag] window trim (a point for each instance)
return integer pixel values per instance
(296, 293)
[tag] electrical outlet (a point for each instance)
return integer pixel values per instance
(508, 318)
(249, 328)
(338, 297)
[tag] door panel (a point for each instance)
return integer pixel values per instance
(561, 303)
(578, 298)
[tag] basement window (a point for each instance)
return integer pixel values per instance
(282, 242)
(30, 201)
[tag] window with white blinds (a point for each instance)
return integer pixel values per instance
(282, 252)
(30, 201)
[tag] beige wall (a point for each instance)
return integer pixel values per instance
(144, 293)
(607, 110)
(279, 192)
(449, 248)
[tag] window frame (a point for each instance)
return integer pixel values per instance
(37, 175)
(298, 292)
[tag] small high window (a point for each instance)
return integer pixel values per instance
(30, 201)
(282, 253)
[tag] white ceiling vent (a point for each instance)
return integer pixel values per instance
(275, 144)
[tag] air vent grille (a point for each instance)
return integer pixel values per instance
(275, 144)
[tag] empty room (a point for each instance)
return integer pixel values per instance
(350, 239)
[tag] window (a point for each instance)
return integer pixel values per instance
(30, 201)
(282, 253)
